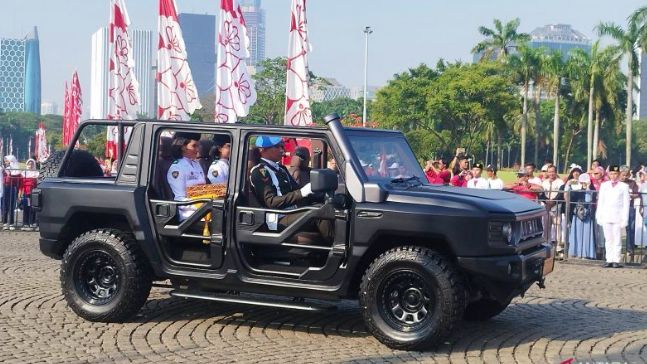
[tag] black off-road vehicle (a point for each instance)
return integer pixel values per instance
(418, 257)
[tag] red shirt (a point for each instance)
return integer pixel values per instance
(28, 184)
(458, 181)
(524, 191)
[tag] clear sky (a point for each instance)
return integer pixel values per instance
(406, 32)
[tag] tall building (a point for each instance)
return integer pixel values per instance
(255, 20)
(199, 31)
(20, 83)
(143, 50)
(49, 108)
(559, 37)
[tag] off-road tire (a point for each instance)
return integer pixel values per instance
(132, 272)
(442, 281)
(51, 166)
(483, 309)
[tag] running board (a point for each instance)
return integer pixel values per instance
(302, 306)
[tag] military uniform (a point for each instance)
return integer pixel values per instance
(182, 174)
(219, 172)
(274, 188)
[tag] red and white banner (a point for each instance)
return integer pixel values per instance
(74, 109)
(177, 95)
(235, 91)
(123, 92)
(297, 96)
(40, 139)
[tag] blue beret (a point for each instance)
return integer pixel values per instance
(266, 141)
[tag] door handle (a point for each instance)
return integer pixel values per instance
(246, 218)
(162, 210)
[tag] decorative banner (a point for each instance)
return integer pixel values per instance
(66, 115)
(40, 150)
(123, 93)
(297, 96)
(235, 91)
(74, 109)
(177, 95)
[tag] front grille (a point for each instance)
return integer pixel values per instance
(531, 228)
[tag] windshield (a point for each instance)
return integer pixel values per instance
(386, 157)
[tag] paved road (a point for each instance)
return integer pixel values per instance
(587, 313)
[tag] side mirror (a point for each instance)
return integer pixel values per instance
(323, 180)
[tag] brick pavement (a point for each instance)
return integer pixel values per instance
(587, 313)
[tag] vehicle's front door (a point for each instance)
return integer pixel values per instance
(188, 196)
(306, 241)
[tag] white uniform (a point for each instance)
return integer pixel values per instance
(535, 181)
(480, 183)
(496, 183)
(613, 214)
(183, 174)
(219, 172)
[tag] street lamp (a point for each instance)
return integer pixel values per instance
(367, 31)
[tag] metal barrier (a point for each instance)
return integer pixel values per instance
(15, 205)
(574, 230)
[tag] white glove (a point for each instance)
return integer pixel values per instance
(306, 190)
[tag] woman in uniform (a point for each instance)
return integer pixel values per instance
(185, 170)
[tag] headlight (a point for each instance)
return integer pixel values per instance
(506, 231)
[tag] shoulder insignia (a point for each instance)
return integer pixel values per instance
(176, 161)
(214, 173)
(175, 174)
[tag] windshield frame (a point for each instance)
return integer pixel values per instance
(406, 153)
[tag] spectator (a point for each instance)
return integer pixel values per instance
(28, 183)
(532, 179)
(597, 176)
(625, 177)
(300, 166)
(551, 186)
(477, 181)
(460, 172)
(581, 234)
(437, 172)
(494, 182)
(641, 213)
(613, 215)
(523, 187)
(11, 180)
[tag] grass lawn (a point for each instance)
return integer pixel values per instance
(507, 175)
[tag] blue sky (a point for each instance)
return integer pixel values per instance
(406, 32)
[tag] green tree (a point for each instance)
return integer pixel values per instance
(343, 106)
(627, 42)
(270, 90)
(402, 103)
(500, 40)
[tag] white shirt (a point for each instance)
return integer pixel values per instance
(613, 204)
(219, 172)
(535, 181)
(551, 188)
(480, 183)
(496, 183)
(183, 174)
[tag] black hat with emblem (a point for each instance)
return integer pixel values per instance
(614, 168)
(478, 165)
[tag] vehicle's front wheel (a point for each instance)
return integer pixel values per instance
(411, 298)
(484, 309)
(104, 276)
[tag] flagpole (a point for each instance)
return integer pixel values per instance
(367, 31)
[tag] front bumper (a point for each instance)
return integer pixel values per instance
(51, 248)
(507, 276)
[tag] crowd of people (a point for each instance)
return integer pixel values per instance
(17, 185)
(588, 208)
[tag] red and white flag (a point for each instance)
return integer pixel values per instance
(297, 96)
(74, 107)
(40, 150)
(66, 114)
(177, 95)
(235, 91)
(123, 92)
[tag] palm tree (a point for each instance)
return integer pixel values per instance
(627, 44)
(500, 40)
(524, 66)
(606, 83)
(554, 70)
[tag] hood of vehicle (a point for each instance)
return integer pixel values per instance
(484, 200)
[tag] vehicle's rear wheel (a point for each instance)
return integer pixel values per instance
(484, 309)
(104, 276)
(411, 298)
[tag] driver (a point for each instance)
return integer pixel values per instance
(274, 187)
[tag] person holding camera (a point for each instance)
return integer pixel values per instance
(461, 172)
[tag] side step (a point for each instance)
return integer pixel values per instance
(293, 305)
